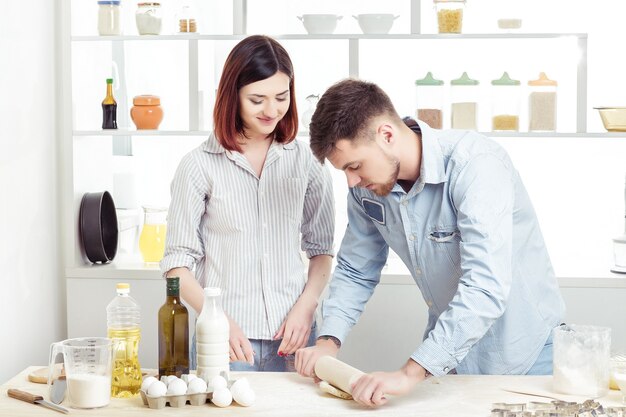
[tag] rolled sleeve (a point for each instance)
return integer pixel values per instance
(318, 217)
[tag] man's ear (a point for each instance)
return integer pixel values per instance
(387, 132)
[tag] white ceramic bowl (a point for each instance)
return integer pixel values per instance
(319, 24)
(375, 24)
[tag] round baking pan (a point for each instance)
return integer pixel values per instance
(98, 226)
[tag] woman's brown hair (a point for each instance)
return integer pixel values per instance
(253, 59)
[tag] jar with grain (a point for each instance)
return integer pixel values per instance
(449, 15)
(542, 104)
(464, 98)
(109, 18)
(186, 20)
(429, 100)
(148, 18)
(146, 112)
(505, 102)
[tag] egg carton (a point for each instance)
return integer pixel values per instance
(175, 400)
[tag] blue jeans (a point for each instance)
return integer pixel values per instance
(266, 357)
(543, 364)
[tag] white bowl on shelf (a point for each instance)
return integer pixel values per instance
(375, 23)
(320, 24)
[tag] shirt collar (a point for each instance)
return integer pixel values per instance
(212, 145)
(432, 166)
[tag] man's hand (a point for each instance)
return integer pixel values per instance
(307, 357)
(296, 328)
(371, 389)
(240, 347)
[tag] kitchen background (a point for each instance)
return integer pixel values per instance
(52, 150)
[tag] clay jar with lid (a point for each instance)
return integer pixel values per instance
(146, 112)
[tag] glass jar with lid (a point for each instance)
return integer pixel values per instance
(449, 15)
(187, 19)
(429, 100)
(464, 98)
(505, 102)
(148, 18)
(542, 104)
(109, 18)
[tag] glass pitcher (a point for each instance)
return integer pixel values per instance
(152, 238)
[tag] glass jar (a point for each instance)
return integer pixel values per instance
(505, 102)
(464, 98)
(542, 104)
(109, 18)
(308, 113)
(449, 15)
(152, 238)
(148, 18)
(429, 100)
(186, 20)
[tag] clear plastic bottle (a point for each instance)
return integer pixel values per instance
(212, 334)
(123, 319)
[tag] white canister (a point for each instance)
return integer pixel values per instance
(109, 18)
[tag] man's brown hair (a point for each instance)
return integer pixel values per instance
(344, 112)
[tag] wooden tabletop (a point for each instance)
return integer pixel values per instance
(288, 394)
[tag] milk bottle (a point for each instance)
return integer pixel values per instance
(212, 333)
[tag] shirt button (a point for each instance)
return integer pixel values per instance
(446, 369)
(429, 303)
(418, 271)
(412, 237)
(405, 202)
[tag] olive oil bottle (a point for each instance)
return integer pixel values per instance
(109, 108)
(173, 332)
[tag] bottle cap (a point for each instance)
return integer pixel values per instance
(464, 80)
(505, 80)
(212, 291)
(173, 285)
(122, 288)
(109, 80)
(429, 80)
(542, 81)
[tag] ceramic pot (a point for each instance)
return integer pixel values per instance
(146, 112)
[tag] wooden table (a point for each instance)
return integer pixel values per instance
(288, 394)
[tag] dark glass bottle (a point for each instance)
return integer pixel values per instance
(173, 332)
(109, 108)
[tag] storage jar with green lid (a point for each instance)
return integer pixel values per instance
(464, 98)
(429, 100)
(505, 104)
(542, 104)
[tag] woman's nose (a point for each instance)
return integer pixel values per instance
(270, 110)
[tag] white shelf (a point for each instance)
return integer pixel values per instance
(183, 37)
(124, 132)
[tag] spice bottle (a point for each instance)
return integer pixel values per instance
(109, 108)
(542, 104)
(505, 101)
(464, 98)
(429, 99)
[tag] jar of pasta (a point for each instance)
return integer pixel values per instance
(542, 104)
(464, 102)
(505, 102)
(449, 15)
(429, 99)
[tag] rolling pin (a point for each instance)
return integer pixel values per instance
(337, 373)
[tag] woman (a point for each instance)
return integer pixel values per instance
(243, 202)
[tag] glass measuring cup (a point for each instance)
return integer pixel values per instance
(87, 362)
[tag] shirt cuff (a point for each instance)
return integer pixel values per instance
(314, 252)
(433, 358)
(176, 261)
(334, 326)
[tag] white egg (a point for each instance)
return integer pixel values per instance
(171, 378)
(177, 387)
(240, 384)
(196, 385)
(157, 389)
(188, 377)
(147, 382)
(222, 397)
(244, 397)
(164, 379)
(217, 382)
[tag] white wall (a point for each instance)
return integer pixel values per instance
(32, 300)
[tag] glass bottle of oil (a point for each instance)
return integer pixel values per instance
(123, 317)
(152, 238)
(173, 332)
(109, 108)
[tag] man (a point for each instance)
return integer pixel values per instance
(453, 207)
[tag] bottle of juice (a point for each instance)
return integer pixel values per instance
(123, 317)
(109, 108)
(212, 333)
(173, 332)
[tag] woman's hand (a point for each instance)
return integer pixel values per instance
(240, 346)
(296, 328)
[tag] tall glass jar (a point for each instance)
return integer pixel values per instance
(464, 98)
(449, 15)
(542, 104)
(505, 102)
(429, 100)
(148, 18)
(109, 18)
(152, 238)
